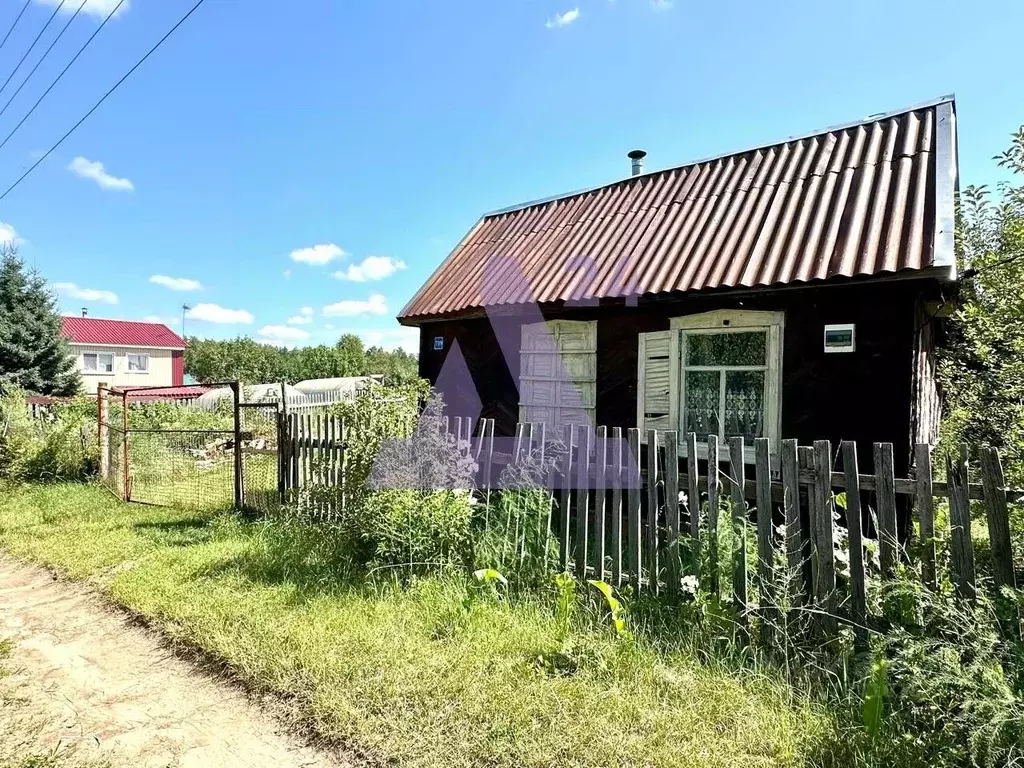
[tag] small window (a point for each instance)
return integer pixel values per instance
(138, 363)
(98, 362)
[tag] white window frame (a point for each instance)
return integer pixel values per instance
(730, 321)
(127, 363)
(98, 355)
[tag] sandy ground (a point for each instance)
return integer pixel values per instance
(120, 694)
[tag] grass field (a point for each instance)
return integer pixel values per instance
(416, 676)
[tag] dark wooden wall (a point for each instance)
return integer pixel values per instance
(869, 395)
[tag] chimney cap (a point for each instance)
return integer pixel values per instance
(85, 311)
(637, 154)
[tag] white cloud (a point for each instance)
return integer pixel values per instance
(371, 268)
(176, 283)
(375, 305)
(283, 333)
(563, 19)
(8, 235)
(89, 169)
(317, 254)
(392, 338)
(307, 311)
(328, 326)
(85, 294)
(162, 321)
(299, 320)
(99, 8)
(661, 5)
(214, 313)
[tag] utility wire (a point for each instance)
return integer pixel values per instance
(63, 72)
(43, 57)
(103, 98)
(23, 9)
(46, 26)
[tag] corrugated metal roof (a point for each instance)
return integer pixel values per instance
(125, 333)
(865, 199)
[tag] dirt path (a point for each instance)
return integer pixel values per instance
(119, 693)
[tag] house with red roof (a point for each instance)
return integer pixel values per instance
(126, 353)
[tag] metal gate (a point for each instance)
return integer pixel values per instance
(168, 454)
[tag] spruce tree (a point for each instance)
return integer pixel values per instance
(33, 354)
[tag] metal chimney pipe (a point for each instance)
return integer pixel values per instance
(85, 311)
(637, 156)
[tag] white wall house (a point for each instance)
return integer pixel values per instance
(125, 353)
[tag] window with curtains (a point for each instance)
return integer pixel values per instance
(97, 362)
(715, 373)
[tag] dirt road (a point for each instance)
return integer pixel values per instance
(118, 693)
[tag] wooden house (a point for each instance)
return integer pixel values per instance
(789, 291)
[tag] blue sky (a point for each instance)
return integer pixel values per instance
(262, 130)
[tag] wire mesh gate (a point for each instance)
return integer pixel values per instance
(160, 453)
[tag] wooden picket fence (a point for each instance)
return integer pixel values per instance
(311, 460)
(637, 533)
(632, 511)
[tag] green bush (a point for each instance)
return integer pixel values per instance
(59, 446)
(418, 529)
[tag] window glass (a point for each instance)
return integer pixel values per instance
(744, 403)
(702, 403)
(93, 362)
(746, 348)
(138, 363)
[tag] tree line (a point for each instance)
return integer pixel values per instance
(244, 359)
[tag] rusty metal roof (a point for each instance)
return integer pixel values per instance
(868, 198)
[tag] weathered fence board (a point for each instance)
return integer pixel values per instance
(998, 517)
(923, 503)
(616, 510)
(673, 531)
(633, 538)
(858, 575)
(961, 546)
(823, 557)
(737, 480)
(600, 498)
(765, 542)
(885, 498)
(713, 511)
(651, 523)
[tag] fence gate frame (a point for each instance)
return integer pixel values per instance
(118, 479)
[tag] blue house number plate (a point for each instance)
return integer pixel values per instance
(439, 342)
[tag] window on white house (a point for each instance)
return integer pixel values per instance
(97, 362)
(716, 373)
(138, 363)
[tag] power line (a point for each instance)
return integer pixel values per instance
(47, 53)
(103, 98)
(46, 26)
(63, 72)
(23, 9)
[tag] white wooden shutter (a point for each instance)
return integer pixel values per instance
(657, 370)
(558, 373)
